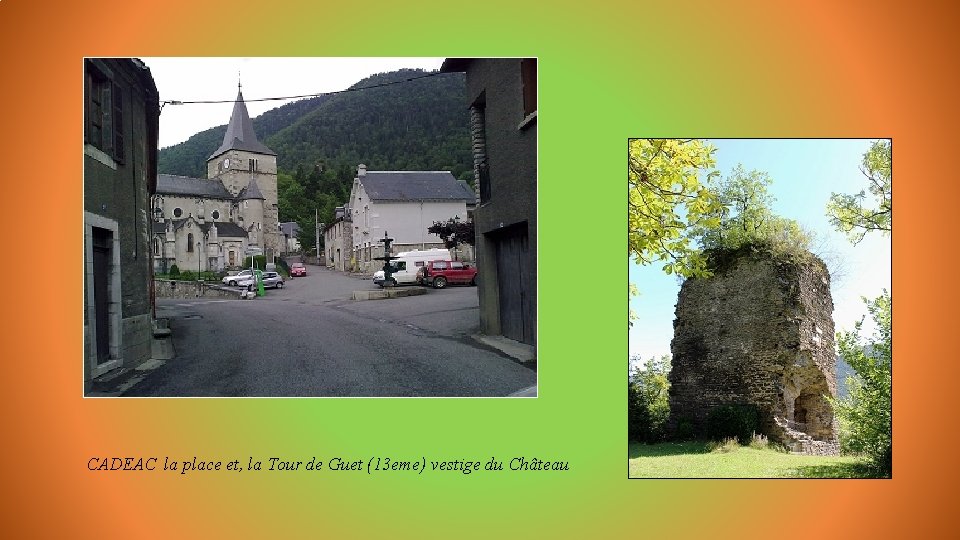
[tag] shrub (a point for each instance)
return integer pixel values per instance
(740, 421)
(174, 272)
(188, 275)
(759, 441)
(685, 430)
(727, 445)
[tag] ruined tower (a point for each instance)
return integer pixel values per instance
(758, 332)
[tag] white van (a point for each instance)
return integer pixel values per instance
(407, 264)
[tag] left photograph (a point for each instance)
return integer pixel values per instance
(309, 227)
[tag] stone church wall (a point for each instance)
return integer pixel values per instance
(760, 332)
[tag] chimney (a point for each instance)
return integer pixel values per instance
(361, 170)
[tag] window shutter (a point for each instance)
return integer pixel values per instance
(118, 147)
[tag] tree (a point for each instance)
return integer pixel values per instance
(847, 213)
(648, 401)
(746, 217)
(668, 197)
(865, 415)
(454, 232)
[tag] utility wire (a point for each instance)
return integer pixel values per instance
(179, 102)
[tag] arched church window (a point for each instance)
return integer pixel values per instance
(156, 246)
(177, 212)
(190, 242)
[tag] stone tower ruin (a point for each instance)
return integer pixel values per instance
(758, 332)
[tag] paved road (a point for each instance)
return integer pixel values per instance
(309, 339)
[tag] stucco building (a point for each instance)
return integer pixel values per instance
(502, 98)
(121, 115)
(212, 223)
(403, 204)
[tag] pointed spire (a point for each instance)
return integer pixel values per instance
(240, 135)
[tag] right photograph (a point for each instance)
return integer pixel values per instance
(759, 308)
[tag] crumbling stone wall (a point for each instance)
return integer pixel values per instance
(760, 332)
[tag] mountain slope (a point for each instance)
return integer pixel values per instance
(416, 125)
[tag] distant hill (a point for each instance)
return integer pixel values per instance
(415, 125)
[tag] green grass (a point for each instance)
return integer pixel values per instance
(692, 460)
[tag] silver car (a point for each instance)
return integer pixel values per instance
(272, 280)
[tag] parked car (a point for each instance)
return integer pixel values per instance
(440, 273)
(298, 269)
(272, 280)
(242, 279)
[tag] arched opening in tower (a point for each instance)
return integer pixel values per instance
(813, 415)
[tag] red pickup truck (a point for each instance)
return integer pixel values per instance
(440, 273)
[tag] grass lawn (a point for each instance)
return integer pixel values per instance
(692, 460)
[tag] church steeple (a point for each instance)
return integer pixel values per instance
(240, 135)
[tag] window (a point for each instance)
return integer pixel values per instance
(104, 105)
(401, 266)
(455, 265)
(190, 242)
(253, 165)
(419, 263)
(156, 246)
(177, 212)
(439, 265)
(215, 214)
(528, 77)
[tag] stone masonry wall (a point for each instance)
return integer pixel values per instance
(760, 332)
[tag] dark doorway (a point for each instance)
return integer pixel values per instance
(799, 413)
(516, 313)
(102, 260)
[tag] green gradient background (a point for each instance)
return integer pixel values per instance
(608, 71)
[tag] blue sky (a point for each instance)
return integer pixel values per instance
(804, 172)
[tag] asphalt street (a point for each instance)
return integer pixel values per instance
(310, 339)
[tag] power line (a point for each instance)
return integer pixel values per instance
(408, 79)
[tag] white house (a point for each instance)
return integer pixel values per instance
(402, 204)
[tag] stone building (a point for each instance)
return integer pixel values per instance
(121, 115)
(338, 241)
(212, 223)
(501, 95)
(759, 332)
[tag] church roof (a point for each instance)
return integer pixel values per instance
(240, 135)
(250, 192)
(225, 228)
(169, 184)
(414, 186)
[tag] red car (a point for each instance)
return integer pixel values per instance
(440, 273)
(298, 269)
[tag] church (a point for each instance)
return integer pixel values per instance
(212, 223)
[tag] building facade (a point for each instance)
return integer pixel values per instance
(403, 205)
(121, 115)
(338, 242)
(502, 99)
(213, 223)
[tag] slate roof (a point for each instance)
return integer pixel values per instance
(169, 184)
(289, 228)
(240, 135)
(252, 191)
(414, 186)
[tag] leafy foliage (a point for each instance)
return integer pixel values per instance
(746, 218)
(847, 213)
(668, 196)
(174, 272)
(739, 421)
(865, 416)
(454, 232)
(648, 401)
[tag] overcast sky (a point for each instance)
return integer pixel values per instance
(194, 79)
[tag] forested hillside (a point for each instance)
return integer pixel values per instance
(416, 125)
